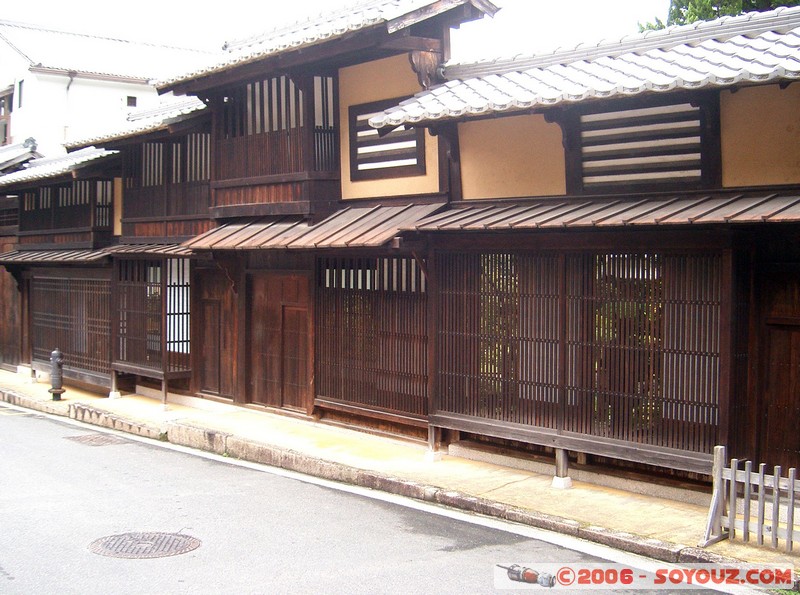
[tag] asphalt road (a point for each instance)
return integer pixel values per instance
(65, 486)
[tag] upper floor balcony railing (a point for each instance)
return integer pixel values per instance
(76, 213)
(276, 147)
(166, 188)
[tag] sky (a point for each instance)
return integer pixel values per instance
(521, 26)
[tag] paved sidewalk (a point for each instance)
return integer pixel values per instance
(656, 527)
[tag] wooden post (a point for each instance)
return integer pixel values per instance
(562, 480)
(432, 305)
(762, 468)
(776, 504)
(732, 500)
(114, 393)
(164, 267)
(790, 511)
(434, 440)
(748, 469)
(714, 532)
(164, 391)
(726, 346)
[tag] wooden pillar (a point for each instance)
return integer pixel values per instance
(433, 324)
(562, 480)
(726, 345)
(164, 330)
(241, 299)
(434, 452)
(114, 393)
(115, 318)
(164, 391)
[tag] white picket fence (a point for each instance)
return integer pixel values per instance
(745, 502)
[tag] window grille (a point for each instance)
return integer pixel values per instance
(372, 334)
(660, 143)
(611, 345)
(72, 314)
(400, 152)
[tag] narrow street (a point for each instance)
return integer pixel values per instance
(230, 527)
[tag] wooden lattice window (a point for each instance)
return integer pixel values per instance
(198, 157)
(147, 291)
(73, 314)
(400, 152)
(371, 334)
(614, 346)
(644, 144)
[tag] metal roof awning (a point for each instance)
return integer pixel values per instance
(167, 250)
(604, 212)
(52, 256)
(352, 227)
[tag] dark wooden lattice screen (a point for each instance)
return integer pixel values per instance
(72, 314)
(262, 125)
(615, 346)
(371, 334)
(153, 305)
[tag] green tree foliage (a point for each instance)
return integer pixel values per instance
(684, 12)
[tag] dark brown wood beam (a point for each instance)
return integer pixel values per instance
(465, 11)
(408, 43)
(310, 59)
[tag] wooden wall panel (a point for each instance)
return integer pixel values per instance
(10, 313)
(265, 193)
(279, 338)
(216, 363)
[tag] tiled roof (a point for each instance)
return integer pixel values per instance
(171, 110)
(51, 167)
(13, 156)
(322, 28)
(353, 227)
(99, 56)
(751, 48)
(561, 213)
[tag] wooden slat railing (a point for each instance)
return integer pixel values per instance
(749, 501)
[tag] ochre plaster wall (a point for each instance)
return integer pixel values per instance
(516, 156)
(118, 199)
(374, 81)
(760, 129)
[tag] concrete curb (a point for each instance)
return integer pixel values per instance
(225, 444)
(52, 407)
(97, 417)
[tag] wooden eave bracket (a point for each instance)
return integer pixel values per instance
(428, 66)
(406, 42)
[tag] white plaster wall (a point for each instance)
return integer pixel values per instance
(56, 109)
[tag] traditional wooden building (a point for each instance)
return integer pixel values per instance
(13, 157)
(97, 254)
(308, 303)
(593, 251)
(61, 296)
(164, 191)
(619, 274)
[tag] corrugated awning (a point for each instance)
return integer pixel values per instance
(570, 213)
(87, 256)
(352, 227)
(52, 256)
(169, 250)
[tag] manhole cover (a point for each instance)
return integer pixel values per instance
(97, 439)
(144, 545)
